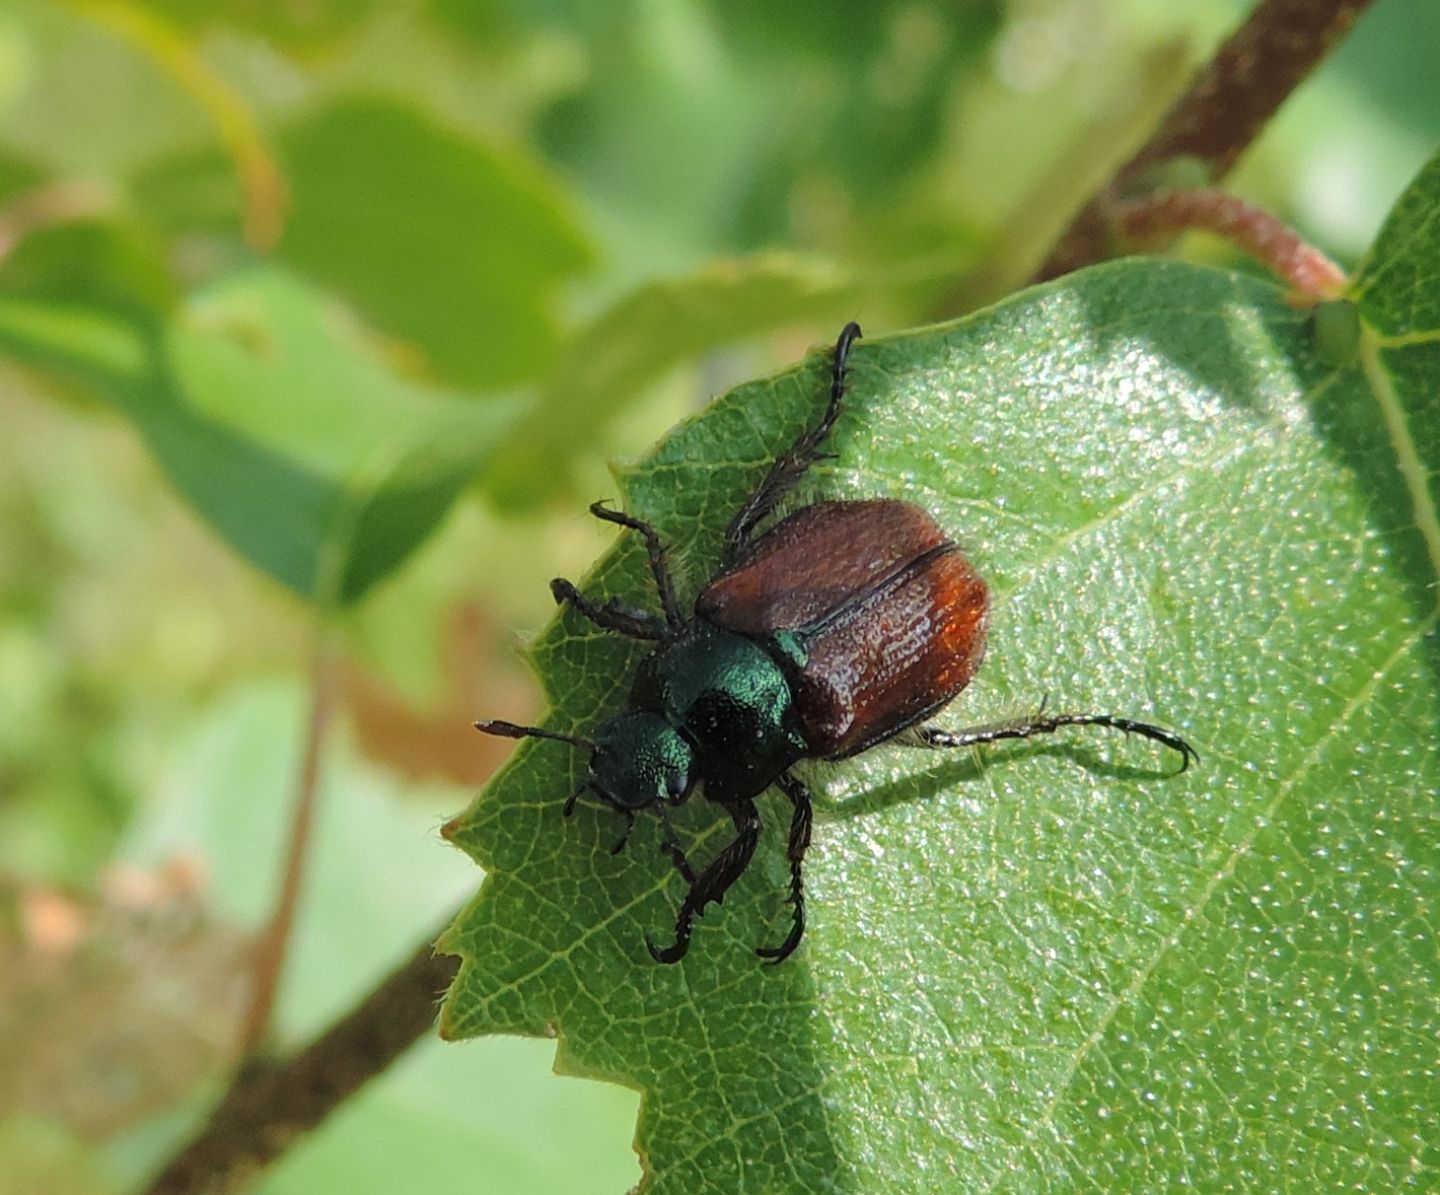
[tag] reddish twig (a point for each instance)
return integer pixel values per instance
(270, 951)
(269, 1109)
(1230, 101)
(1312, 276)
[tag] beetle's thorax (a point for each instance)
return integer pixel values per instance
(731, 700)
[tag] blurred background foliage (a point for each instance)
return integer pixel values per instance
(334, 312)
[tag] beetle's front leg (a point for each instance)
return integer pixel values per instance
(655, 550)
(670, 844)
(799, 843)
(613, 615)
(712, 883)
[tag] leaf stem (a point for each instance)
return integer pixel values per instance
(1223, 111)
(262, 182)
(269, 1109)
(270, 952)
(1312, 276)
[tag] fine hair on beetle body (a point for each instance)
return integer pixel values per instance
(823, 632)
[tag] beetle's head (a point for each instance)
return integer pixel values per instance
(637, 760)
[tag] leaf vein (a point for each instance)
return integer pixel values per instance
(1192, 913)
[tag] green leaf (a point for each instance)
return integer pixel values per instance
(308, 28)
(105, 264)
(1049, 964)
(436, 237)
(273, 417)
(635, 341)
(736, 126)
(17, 174)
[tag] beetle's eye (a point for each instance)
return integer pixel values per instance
(675, 785)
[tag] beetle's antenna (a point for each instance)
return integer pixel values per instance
(510, 730)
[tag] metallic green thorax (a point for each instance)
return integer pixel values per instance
(729, 699)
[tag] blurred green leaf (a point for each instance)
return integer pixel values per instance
(306, 28)
(17, 174)
(1049, 965)
(193, 190)
(634, 342)
(436, 237)
(731, 127)
(39, 1155)
(889, 73)
(377, 873)
(272, 415)
(105, 264)
(441, 1115)
(1389, 56)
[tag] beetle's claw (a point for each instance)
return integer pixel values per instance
(672, 954)
(778, 954)
(1188, 754)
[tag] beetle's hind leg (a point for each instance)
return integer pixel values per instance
(799, 843)
(1043, 723)
(712, 883)
(790, 466)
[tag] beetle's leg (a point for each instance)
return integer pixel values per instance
(1043, 723)
(670, 844)
(790, 466)
(612, 615)
(712, 883)
(799, 844)
(629, 816)
(656, 551)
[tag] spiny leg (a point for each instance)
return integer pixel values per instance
(712, 883)
(612, 615)
(790, 467)
(1043, 723)
(799, 844)
(656, 551)
(670, 844)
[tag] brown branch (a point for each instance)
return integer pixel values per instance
(1215, 121)
(270, 952)
(268, 1110)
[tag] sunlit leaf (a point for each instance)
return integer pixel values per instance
(1050, 964)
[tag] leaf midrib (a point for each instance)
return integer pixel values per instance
(1413, 474)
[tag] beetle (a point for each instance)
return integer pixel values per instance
(844, 625)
